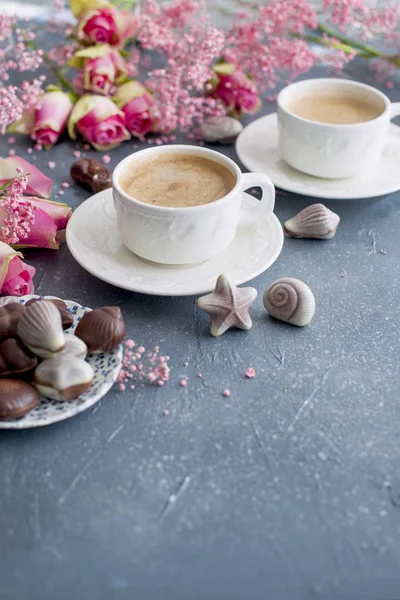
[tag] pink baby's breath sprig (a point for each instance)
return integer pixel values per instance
(16, 214)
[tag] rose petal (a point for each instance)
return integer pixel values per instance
(38, 183)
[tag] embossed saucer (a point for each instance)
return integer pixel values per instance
(94, 242)
(257, 149)
(105, 365)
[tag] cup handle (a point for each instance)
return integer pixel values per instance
(395, 110)
(268, 191)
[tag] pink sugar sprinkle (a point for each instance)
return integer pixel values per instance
(200, 375)
(121, 387)
(51, 164)
(390, 85)
(132, 387)
(60, 193)
(65, 184)
(106, 159)
(141, 349)
(250, 373)
(226, 393)
(38, 147)
(86, 146)
(185, 364)
(129, 343)
(183, 383)
(11, 140)
(77, 153)
(11, 153)
(30, 150)
(165, 413)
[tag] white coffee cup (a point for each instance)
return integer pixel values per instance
(333, 151)
(185, 235)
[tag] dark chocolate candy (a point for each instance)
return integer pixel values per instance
(91, 175)
(102, 329)
(17, 398)
(9, 315)
(15, 359)
(66, 318)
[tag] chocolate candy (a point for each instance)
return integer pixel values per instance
(17, 398)
(66, 318)
(91, 175)
(102, 329)
(15, 359)
(63, 378)
(39, 327)
(9, 317)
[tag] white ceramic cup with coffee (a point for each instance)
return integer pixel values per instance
(333, 128)
(181, 204)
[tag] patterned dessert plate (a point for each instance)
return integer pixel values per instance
(94, 242)
(106, 367)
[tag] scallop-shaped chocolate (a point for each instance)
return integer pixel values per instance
(74, 346)
(9, 317)
(102, 329)
(63, 378)
(40, 328)
(66, 319)
(7, 300)
(17, 398)
(15, 359)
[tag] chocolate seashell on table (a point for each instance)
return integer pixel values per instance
(9, 317)
(40, 329)
(290, 300)
(91, 175)
(315, 221)
(222, 130)
(17, 398)
(102, 329)
(16, 360)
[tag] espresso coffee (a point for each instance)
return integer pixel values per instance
(177, 180)
(334, 108)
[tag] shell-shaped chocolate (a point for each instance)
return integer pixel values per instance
(315, 221)
(63, 378)
(15, 359)
(9, 317)
(7, 300)
(74, 346)
(17, 398)
(290, 300)
(40, 328)
(102, 329)
(66, 319)
(221, 129)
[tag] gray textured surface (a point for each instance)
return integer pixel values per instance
(289, 489)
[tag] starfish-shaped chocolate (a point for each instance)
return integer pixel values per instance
(228, 306)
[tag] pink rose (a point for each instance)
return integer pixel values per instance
(46, 123)
(102, 68)
(138, 106)
(38, 183)
(15, 275)
(99, 121)
(48, 228)
(106, 25)
(235, 90)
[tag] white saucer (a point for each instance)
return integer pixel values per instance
(257, 149)
(93, 240)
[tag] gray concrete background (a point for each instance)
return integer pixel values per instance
(289, 489)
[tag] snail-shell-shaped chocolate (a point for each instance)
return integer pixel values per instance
(40, 328)
(63, 378)
(290, 300)
(315, 221)
(102, 329)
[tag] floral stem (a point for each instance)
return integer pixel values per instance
(353, 43)
(315, 39)
(63, 81)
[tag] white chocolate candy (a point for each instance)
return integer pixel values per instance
(63, 378)
(40, 329)
(290, 300)
(315, 221)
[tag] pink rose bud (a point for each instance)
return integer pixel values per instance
(47, 122)
(235, 90)
(138, 106)
(102, 69)
(38, 183)
(103, 23)
(15, 275)
(99, 121)
(48, 228)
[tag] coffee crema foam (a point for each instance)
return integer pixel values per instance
(334, 108)
(177, 180)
